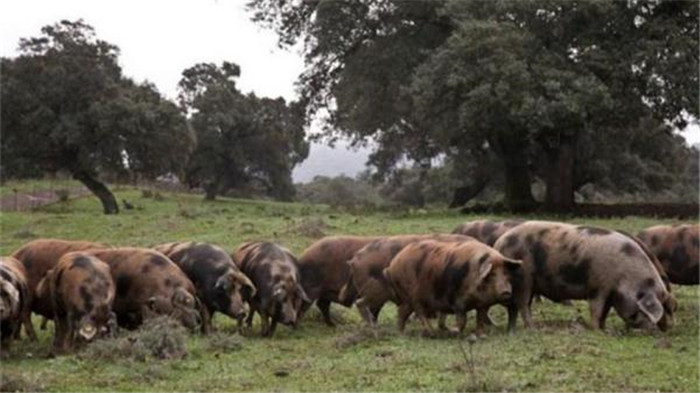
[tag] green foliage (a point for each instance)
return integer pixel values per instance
(66, 106)
(340, 191)
(532, 82)
(242, 140)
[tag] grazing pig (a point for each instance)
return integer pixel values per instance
(610, 269)
(486, 231)
(148, 283)
(324, 270)
(81, 290)
(14, 298)
(367, 283)
(220, 285)
(430, 277)
(273, 270)
(38, 257)
(677, 249)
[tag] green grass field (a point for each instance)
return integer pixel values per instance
(560, 355)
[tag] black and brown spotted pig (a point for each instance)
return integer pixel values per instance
(38, 257)
(273, 270)
(14, 298)
(324, 270)
(221, 286)
(81, 289)
(677, 248)
(367, 283)
(431, 277)
(486, 231)
(610, 269)
(147, 284)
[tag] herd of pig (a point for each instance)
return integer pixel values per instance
(89, 289)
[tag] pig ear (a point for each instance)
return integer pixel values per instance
(302, 294)
(485, 269)
(651, 307)
(512, 263)
(244, 280)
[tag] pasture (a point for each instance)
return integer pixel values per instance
(560, 355)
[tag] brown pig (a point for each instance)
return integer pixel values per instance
(148, 283)
(610, 269)
(367, 282)
(677, 248)
(486, 231)
(221, 286)
(324, 270)
(81, 290)
(38, 257)
(431, 277)
(14, 298)
(273, 270)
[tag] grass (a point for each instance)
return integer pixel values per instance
(561, 355)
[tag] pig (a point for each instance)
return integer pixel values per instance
(81, 290)
(273, 270)
(430, 277)
(485, 231)
(14, 299)
(220, 285)
(38, 257)
(676, 247)
(367, 284)
(148, 284)
(608, 268)
(324, 271)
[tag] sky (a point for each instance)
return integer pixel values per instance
(158, 39)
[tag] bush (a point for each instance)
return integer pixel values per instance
(160, 338)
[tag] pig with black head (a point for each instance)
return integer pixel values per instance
(431, 277)
(149, 284)
(274, 272)
(81, 290)
(220, 284)
(608, 268)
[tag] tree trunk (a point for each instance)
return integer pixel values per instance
(560, 176)
(518, 187)
(109, 203)
(210, 191)
(462, 195)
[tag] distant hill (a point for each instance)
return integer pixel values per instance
(327, 161)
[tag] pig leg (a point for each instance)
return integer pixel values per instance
(206, 320)
(461, 321)
(264, 324)
(273, 326)
(512, 317)
(60, 334)
(405, 311)
(325, 306)
(365, 312)
(44, 322)
(427, 328)
(599, 308)
(482, 316)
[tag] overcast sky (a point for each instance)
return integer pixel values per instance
(158, 39)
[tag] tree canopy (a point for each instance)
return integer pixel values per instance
(242, 140)
(67, 106)
(533, 83)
